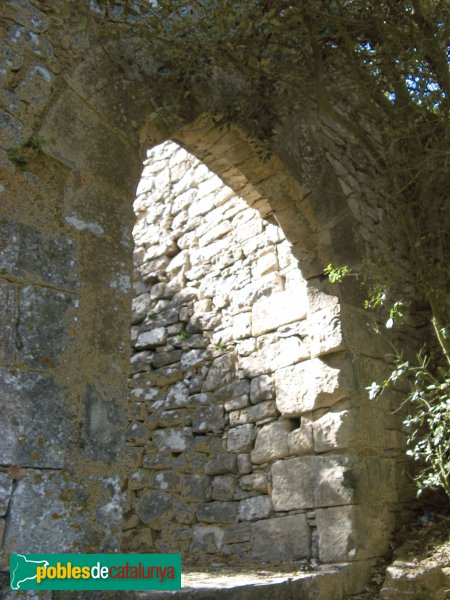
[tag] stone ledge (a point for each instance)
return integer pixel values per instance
(237, 584)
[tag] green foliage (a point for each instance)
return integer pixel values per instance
(151, 314)
(376, 297)
(221, 346)
(17, 154)
(336, 274)
(34, 142)
(397, 313)
(184, 335)
(428, 421)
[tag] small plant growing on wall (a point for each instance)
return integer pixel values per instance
(184, 335)
(18, 154)
(221, 346)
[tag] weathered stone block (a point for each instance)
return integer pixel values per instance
(279, 309)
(167, 481)
(272, 442)
(193, 358)
(152, 507)
(105, 419)
(223, 487)
(236, 534)
(242, 326)
(270, 357)
(222, 371)
(245, 297)
(262, 388)
(335, 430)
(353, 532)
(47, 326)
(301, 440)
(313, 384)
(78, 137)
(261, 411)
(163, 377)
(339, 327)
(196, 488)
(221, 464)
(139, 479)
(173, 440)
(207, 539)
(36, 86)
(13, 131)
(141, 361)
(326, 330)
(236, 403)
(374, 473)
(178, 395)
(25, 250)
(208, 444)
(267, 263)
(217, 512)
(5, 492)
(35, 424)
(311, 481)
(140, 541)
(235, 389)
(172, 418)
(161, 358)
(244, 463)
(240, 439)
(284, 538)
(137, 433)
(420, 581)
(55, 505)
(160, 460)
(209, 418)
(257, 482)
(8, 320)
(139, 308)
(151, 339)
(256, 507)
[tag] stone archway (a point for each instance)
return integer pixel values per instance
(66, 279)
(248, 430)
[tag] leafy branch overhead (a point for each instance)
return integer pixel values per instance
(378, 72)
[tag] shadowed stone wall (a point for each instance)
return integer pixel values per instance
(77, 107)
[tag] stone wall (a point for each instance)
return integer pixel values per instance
(244, 409)
(79, 100)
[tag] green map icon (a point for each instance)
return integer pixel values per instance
(23, 569)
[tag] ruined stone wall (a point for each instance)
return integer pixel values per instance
(63, 281)
(75, 113)
(244, 417)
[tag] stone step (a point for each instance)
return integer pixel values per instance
(235, 584)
